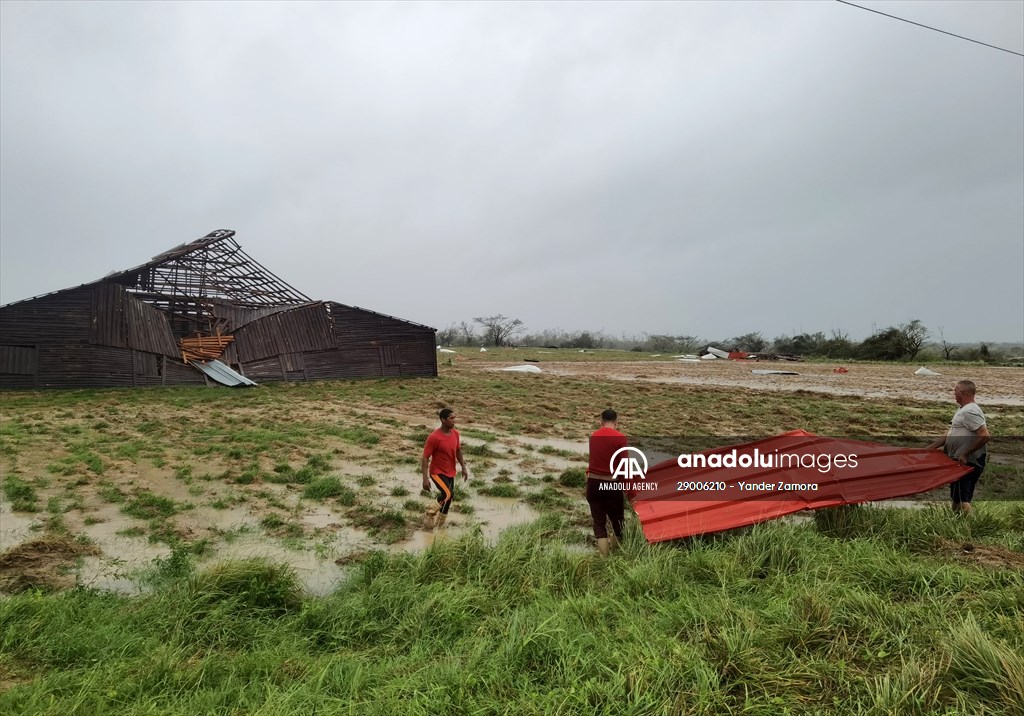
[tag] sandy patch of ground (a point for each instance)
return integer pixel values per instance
(996, 385)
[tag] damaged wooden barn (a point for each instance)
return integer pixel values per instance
(204, 311)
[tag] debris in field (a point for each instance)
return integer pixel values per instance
(522, 369)
(709, 356)
(532, 360)
(41, 564)
(688, 360)
(924, 371)
(763, 371)
(841, 370)
(717, 352)
(444, 350)
(482, 349)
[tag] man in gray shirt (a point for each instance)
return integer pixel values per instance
(965, 443)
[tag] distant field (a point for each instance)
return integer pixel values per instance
(131, 490)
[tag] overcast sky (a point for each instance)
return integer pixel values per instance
(685, 168)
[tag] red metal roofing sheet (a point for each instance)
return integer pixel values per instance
(672, 506)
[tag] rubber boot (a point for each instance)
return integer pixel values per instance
(602, 546)
(430, 516)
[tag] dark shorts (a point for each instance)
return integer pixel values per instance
(963, 489)
(605, 505)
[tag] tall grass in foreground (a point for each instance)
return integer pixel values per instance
(777, 619)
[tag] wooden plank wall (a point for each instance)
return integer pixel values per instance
(148, 328)
(307, 328)
(102, 335)
(356, 328)
(59, 318)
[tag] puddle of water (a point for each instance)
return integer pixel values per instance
(15, 527)
(317, 571)
(496, 514)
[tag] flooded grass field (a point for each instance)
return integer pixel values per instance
(136, 494)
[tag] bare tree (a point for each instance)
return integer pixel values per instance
(948, 349)
(499, 329)
(447, 336)
(466, 334)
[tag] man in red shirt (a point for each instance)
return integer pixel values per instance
(605, 504)
(440, 454)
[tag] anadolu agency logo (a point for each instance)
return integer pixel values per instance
(628, 466)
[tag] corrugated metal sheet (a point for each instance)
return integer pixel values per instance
(223, 374)
(882, 472)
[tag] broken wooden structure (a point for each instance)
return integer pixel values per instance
(200, 301)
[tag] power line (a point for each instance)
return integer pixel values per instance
(928, 27)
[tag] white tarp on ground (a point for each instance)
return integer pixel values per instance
(444, 350)
(522, 369)
(924, 371)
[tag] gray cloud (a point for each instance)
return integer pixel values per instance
(702, 168)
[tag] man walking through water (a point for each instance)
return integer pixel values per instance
(440, 453)
(605, 505)
(965, 443)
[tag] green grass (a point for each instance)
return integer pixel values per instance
(22, 496)
(323, 488)
(500, 490)
(146, 505)
(573, 477)
(776, 619)
(383, 524)
(870, 611)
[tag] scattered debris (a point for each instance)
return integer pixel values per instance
(482, 349)
(717, 352)
(924, 371)
(42, 564)
(979, 555)
(444, 350)
(688, 360)
(709, 356)
(840, 369)
(763, 371)
(522, 369)
(532, 360)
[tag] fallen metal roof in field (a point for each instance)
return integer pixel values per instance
(223, 374)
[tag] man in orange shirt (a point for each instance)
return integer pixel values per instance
(605, 504)
(440, 453)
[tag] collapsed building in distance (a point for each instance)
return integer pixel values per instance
(202, 310)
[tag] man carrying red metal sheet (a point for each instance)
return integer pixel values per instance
(605, 504)
(965, 443)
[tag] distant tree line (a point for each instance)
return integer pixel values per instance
(905, 341)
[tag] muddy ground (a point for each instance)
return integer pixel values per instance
(996, 385)
(81, 532)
